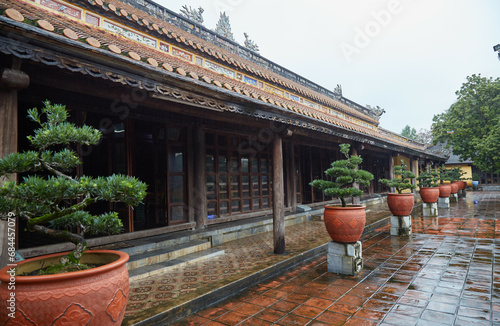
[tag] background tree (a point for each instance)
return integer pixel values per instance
(409, 132)
(471, 126)
(424, 136)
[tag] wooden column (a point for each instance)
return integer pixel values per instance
(278, 197)
(391, 170)
(355, 200)
(200, 186)
(11, 80)
(293, 178)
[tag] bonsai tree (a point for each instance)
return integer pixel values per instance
(403, 182)
(456, 174)
(52, 201)
(343, 175)
(444, 174)
(428, 179)
(475, 176)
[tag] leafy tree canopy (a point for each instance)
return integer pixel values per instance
(471, 126)
(409, 132)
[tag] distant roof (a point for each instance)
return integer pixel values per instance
(441, 149)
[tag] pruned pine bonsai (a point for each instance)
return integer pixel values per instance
(456, 174)
(403, 181)
(344, 174)
(444, 174)
(428, 179)
(49, 199)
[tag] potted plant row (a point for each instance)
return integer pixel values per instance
(400, 204)
(80, 287)
(344, 223)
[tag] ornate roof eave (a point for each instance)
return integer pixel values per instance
(224, 101)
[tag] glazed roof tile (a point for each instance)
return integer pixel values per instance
(97, 37)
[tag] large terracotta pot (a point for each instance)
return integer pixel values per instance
(464, 185)
(454, 188)
(345, 224)
(97, 296)
(461, 184)
(400, 204)
(444, 190)
(429, 194)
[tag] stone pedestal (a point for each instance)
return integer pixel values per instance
(430, 209)
(462, 193)
(444, 202)
(401, 225)
(345, 258)
(454, 198)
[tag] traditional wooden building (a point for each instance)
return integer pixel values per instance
(218, 132)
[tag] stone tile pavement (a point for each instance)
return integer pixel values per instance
(446, 273)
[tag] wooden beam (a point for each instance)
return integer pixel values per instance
(278, 197)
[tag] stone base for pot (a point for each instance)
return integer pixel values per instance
(462, 193)
(345, 258)
(401, 225)
(430, 209)
(444, 202)
(454, 198)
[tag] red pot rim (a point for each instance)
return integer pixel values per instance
(122, 260)
(396, 194)
(347, 207)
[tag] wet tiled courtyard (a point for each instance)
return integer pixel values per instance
(446, 273)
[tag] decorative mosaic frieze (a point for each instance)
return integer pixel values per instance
(130, 34)
(219, 69)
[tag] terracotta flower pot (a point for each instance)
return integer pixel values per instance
(459, 184)
(429, 194)
(464, 185)
(400, 204)
(454, 188)
(444, 190)
(97, 296)
(345, 224)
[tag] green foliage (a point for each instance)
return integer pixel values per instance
(471, 126)
(456, 174)
(444, 174)
(428, 179)
(475, 177)
(52, 201)
(409, 132)
(344, 174)
(403, 182)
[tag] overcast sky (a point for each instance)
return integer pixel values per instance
(406, 56)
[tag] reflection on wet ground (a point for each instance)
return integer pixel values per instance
(446, 273)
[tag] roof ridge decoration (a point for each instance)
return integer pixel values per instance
(301, 108)
(103, 22)
(200, 31)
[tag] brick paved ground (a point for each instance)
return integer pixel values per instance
(446, 273)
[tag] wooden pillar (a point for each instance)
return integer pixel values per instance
(200, 186)
(293, 178)
(11, 80)
(391, 170)
(355, 200)
(412, 169)
(278, 197)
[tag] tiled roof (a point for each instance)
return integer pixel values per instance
(65, 20)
